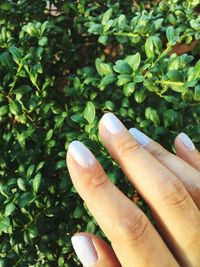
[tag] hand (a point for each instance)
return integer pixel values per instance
(170, 185)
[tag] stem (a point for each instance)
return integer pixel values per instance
(126, 34)
(158, 59)
(16, 76)
(170, 83)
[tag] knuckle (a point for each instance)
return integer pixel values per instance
(173, 193)
(195, 188)
(160, 153)
(127, 145)
(135, 228)
(97, 180)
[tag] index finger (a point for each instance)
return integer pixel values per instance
(133, 237)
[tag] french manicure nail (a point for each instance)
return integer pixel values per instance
(112, 123)
(81, 154)
(85, 250)
(187, 142)
(142, 138)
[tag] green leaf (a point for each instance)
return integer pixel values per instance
(43, 41)
(22, 90)
(103, 68)
(15, 54)
(106, 16)
(77, 83)
(171, 99)
(172, 119)
(103, 39)
(89, 112)
(152, 115)
(140, 95)
(96, 29)
(109, 105)
(4, 224)
(61, 164)
(7, 61)
(108, 79)
(175, 75)
(91, 227)
(6, 6)
(2, 97)
(171, 35)
(44, 26)
(78, 212)
(22, 184)
(9, 209)
(77, 118)
(61, 261)
(197, 93)
(157, 24)
(49, 135)
(129, 89)
(124, 79)
(3, 110)
(36, 182)
(15, 107)
(149, 48)
(157, 42)
(122, 67)
(197, 70)
(171, 19)
(30, 171)
(40, 166)
(134, 61)
(170, 32)
(25, 199)
(32, 231)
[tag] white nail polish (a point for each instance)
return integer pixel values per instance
(81, 154)
(142, 138)
(186, 141)
(85, 250)
(112, 123)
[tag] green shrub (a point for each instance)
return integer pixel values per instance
(59, 72)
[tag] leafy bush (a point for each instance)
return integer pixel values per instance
(62, 65)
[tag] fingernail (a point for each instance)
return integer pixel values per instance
(142, 138)
(187, 142)
(81, 154)
(112, 123)
(85, 250)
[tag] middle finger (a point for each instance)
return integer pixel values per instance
(161, 189)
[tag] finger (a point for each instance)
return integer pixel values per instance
(93, 251)
(185, 149)
(186, 173)
(162, 190)
(133, 238)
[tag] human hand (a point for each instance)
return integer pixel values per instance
(169, 184)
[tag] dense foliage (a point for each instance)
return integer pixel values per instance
(63, 63)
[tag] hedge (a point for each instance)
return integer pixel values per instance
(62, 65)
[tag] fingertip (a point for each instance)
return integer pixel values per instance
(92, 249)
(184, 141)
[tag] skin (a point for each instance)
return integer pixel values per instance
(169, 183)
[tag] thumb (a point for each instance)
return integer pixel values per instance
(92, 251)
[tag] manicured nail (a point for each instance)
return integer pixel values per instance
(85, 250)
(81, 154)
(112, 123)
(142, 138)
(186, 141)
